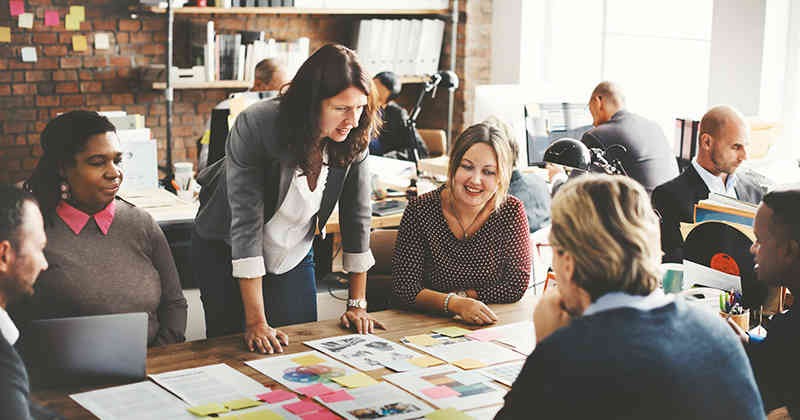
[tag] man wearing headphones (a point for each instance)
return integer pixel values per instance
(393, 140)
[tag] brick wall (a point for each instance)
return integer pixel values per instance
(62, 79)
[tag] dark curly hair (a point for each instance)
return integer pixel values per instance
(64, 136)
(330, 70)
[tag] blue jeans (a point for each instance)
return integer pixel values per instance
(289, 298)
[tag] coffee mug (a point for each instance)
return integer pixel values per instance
(672, 281)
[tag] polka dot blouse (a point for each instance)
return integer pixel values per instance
(495, 261)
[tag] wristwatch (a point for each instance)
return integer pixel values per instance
(462, 293)
(357, 303)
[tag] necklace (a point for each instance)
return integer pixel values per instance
(458, 218)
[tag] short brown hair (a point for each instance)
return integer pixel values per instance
(330, 70)
(609, 227)
(496, 139)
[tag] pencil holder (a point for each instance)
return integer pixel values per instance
(742, 320)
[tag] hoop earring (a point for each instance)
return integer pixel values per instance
(64, 187)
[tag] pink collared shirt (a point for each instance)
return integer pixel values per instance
(77, 219)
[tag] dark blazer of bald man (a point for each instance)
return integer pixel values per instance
(675, 202)
(648, 159)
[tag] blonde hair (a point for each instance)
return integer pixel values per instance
(496, 139)
(609, 227)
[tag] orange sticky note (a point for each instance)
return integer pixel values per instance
(79, 43)
(5, 34)
(425, 361)
(469, 364)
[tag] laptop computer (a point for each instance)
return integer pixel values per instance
(86, 349)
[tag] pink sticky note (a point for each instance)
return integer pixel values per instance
(276, 396)
(337, 396)
(320, 415)
(314, 390)
(484, 335)
(17, 7)
(51, 18)
(441, 391)
(302, 407)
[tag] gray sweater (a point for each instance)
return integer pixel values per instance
(129, 270)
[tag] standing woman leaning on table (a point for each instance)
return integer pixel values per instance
(466, 244)
(288, 161)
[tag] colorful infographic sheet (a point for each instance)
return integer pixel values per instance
(365, 352)
(379, 401)
(448, 386)
(308, 373)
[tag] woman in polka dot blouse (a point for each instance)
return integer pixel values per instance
(465, 244)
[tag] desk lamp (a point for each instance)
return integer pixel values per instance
(574, 154)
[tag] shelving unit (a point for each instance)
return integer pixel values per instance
(170, 86)
(238, 84)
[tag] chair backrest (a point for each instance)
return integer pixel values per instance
(382, 245)
(434, 139)
(219, 135)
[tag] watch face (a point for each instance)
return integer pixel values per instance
(357, 303)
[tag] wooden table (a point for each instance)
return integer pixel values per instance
(230, 349)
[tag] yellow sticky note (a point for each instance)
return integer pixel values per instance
(422, 340)
(469, 363)
(308, 360)
(5, 34)
(207, 409)
(72, 23)
(241, 404)
(79, 43)
(26, 20)
(260, 415)
(425, 361)
(452, 332)
(79, 12)
(448, 414)
(355, 380)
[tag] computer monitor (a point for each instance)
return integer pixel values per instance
(553, 121)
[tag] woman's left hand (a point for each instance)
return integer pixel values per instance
(359, 320)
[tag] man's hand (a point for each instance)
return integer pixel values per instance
(359, 320)
(472, 311)
(549, 314)
(264, 339)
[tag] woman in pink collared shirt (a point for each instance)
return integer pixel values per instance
(105, 255)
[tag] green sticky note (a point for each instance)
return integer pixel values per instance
(208, 409)
(448, 414)
(308, 360)
(452, 332)
(79, 12)
(260, 415)
(242, 403)
(355, 380)
(71, 23)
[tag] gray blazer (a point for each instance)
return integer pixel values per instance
(257, 175)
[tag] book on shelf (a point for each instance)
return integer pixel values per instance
(686, 133)
(234, 56)
(404, 46)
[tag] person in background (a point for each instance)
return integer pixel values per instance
(288, 161)
(647, 157)
(610, 344)
(531, 189)
(393, 140)
(268, 78)
(722, 147)
(467, 243)
(22, 241)
(777, 258)
(106, 256)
